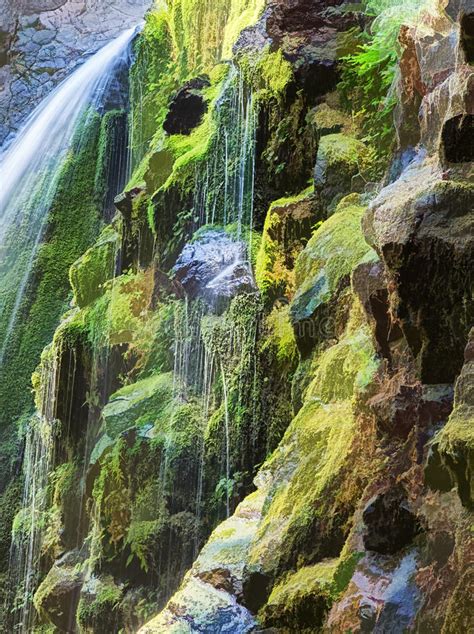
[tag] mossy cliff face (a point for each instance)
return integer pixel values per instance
(257, 425)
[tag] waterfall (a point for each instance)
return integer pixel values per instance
(223, 195)
(27, 533)
(225, 183)
(29, 172)
(31, 166)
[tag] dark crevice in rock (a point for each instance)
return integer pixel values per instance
(467, 37)
(390, 525)
(458, 139)
(187, 107)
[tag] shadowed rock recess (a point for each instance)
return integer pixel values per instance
(237, 389)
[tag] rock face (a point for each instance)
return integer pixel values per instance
(42, 42)
(455, 443)
(416, 224)
(307, 33)
(290, 452)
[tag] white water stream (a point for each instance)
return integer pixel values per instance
(29, 174)
(30, 168)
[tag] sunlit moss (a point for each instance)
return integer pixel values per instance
(274, 277)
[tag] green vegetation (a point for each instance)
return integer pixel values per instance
(368, 75)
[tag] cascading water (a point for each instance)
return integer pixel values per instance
(225, 183)
(30, 170)
(223, 195)
(27, 534)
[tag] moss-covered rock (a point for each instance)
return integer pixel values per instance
(340, 158)
(145, 404)
(99, 606)
(57, 597)
(206, 599)
(287, 228)
(90, 272)
(322, 272)
(301, 600)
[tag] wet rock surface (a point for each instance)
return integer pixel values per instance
(214, 267)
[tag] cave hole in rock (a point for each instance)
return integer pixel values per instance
(467, 37)
(458, 139)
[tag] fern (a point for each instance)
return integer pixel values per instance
(369, 73)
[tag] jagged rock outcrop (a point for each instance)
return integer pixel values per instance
(307, 33)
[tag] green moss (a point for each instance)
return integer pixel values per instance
(458, 431)
(99, 606)
(72, 226)
(90, 272)
(119, 316)
(348, 365)
(145, 403)
(319, 439)
(282, 336)
(281, 241)
(301, 600)
(331, 254)
(53, 596)
(268, 72)
(341, 158)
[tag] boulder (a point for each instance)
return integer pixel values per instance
(140, 404)
(382, 596)
(302, 599)
(99, 605)
(214, 267)
(57, 597)
(207, 598)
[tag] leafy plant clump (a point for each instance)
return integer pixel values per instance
(368, 76)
